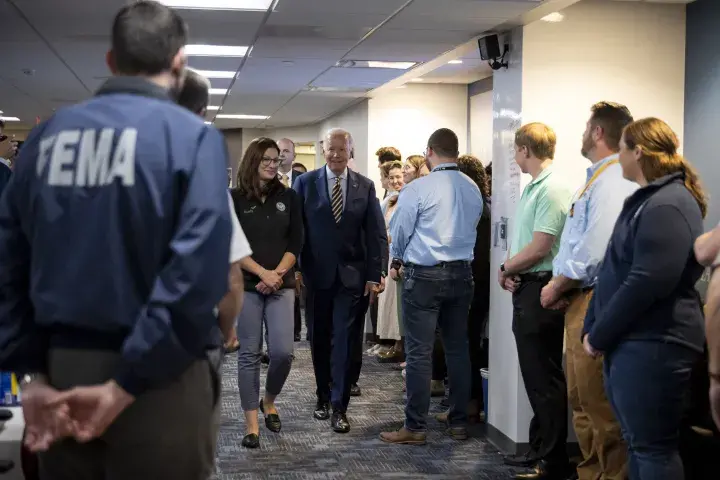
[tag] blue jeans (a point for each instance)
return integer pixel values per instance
(439, 295)
(646, 383)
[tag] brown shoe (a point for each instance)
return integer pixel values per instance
(403, 437)
(442, 417)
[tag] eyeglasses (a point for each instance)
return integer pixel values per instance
(267, 161)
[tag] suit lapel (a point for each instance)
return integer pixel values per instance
(352, 191)
(322, 189)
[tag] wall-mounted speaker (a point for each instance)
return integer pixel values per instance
(490, 47)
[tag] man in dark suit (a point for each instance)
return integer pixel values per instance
(343, 261)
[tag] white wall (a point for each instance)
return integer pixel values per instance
(508, 406)
(627, 52)
(481, 126)
(355, 121)
(406, 117)
(306, 133)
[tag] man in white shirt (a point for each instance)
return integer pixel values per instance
(286, 174)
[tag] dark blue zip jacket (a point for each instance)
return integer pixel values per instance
(646, 285)
(115, 234)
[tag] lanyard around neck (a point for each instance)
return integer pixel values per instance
(594, 177)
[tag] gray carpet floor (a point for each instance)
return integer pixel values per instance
(307, 449)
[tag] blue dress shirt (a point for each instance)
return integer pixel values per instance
(436, 218)
(587, 231)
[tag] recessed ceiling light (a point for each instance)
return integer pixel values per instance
(554, 17)
(213, 107)
(455, 62)
(374, 64)
(240, 116)
(10, 119)
(208, 123)
(215, 50)
(218, 4)
(218, 91)
(215, 74)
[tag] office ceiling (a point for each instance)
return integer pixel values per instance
(52, 52)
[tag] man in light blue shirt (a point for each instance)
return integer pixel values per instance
(584, 240)
(432, 236)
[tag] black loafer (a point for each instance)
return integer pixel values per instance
(322, 411)
(272, 421)
(339, 423)
(525, 460)
(251, 441)
(355, 391)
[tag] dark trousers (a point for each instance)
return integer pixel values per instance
(169, 432)
(357, 354)
(539, 338)
(298, 317)
(477, 320)
(334, 330)
(432, 296)
(646, 383)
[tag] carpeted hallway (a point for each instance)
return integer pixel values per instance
(308, 449)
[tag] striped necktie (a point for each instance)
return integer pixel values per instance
(337, 200)
(284, 179)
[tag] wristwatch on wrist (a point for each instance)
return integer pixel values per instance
(396, 264)
(30, 378)
(502, 267)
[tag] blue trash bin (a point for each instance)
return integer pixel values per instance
(485, 374)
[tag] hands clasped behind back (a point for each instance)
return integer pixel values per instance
(83, 413)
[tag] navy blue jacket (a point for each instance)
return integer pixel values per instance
(356, 249)
(115, 234)
(5, 174)
(646, 285)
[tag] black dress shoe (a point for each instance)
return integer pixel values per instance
(355, 391)
(543, 470)
(522, 460)
(322, 411)
(251, 441)
(272, 421)
(339, 423)
(265, 360)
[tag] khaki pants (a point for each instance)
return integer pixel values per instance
(598, 432)
(167, 433)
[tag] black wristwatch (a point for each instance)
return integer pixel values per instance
(396, 264)
(502, 267)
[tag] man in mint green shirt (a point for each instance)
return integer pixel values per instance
(539, 332)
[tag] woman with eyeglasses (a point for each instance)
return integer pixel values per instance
(271, 217)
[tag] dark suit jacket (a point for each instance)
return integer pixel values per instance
(5, 174)
(356, 249)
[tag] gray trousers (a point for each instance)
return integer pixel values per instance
(275, 312)
(166, 433)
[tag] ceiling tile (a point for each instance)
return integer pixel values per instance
(301, 48)
(357, 77)
(344, 7)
